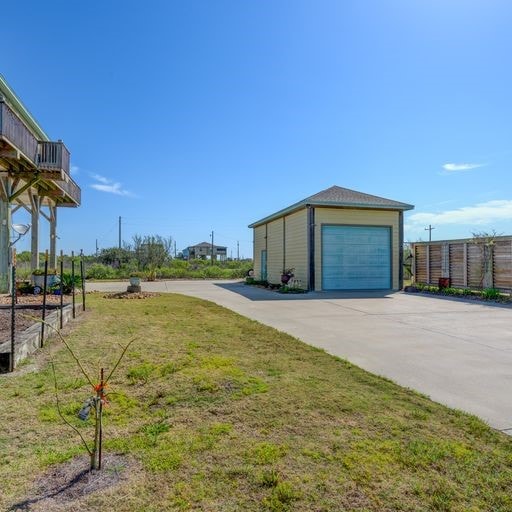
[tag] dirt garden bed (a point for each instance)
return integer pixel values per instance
(28, 328)
(29, 310)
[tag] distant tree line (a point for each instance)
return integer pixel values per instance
(149, 257)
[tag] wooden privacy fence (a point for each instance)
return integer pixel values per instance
(466, 263)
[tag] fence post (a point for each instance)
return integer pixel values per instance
(12, 361)
(428, 263)
(61, 320)
(465, 264)
(445, 260)
(73, 282)
(82, 278)
(45, 289)
(413, 269)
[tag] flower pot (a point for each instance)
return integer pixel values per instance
(38, 280)
(134, 281)
(285, 278)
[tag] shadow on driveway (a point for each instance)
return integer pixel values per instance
(256, 293)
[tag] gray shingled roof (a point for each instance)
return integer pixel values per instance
(339, 197)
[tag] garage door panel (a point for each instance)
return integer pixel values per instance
(356, 257)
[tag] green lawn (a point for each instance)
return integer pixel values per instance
(224, 414)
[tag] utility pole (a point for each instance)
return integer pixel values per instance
(174, 249)
(212, 246)
(238, 250)
(96, 247)
(119, 231)
(429, 229)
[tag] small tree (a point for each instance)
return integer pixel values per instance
(485, 242)
(152, 251)
(94, 403)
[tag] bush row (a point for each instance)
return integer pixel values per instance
(178, 270)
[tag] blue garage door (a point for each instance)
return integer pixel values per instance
(356, 258)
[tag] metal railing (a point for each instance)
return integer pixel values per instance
(17, 134)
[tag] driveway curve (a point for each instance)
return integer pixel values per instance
(459, 353)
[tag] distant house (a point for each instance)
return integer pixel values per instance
(203, 251)
(338, 239)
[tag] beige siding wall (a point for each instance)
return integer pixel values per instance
(355, 217)
(259, 245)
(297, 246)
(275, 251)
(286, 245)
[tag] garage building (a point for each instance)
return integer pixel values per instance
(338, 239)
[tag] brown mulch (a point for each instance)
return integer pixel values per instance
(69, 483)
(128, 295)
(25, 317)
(33, 299)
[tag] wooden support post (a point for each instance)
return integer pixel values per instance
(53, 237)
(5, 234)
(35, 201)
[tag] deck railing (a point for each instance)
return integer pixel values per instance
(42, 155)
(53, 156)
(16, 133)
(72, 190)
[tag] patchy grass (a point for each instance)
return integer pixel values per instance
(224, 414)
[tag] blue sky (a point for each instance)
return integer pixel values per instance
(188, 117)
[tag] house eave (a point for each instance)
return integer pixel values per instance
(22, 111)
(330, 204)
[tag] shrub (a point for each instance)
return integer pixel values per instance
(491, 294)
(99, 271)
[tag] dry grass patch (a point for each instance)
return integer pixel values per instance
(225, 414)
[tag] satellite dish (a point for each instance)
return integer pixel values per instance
(21, 229)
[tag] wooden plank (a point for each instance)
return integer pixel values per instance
(456, 265)
(435, 263)
(502, 266)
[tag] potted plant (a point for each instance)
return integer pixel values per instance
(38, 277)
(287, 275)
(135, 279)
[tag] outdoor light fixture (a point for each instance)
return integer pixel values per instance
(21, 229)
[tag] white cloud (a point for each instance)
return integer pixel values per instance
(479, 214)
(74, 170)
(109, 186)
(101, 179)
(451, 167)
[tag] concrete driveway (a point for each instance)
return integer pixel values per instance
(458, 353)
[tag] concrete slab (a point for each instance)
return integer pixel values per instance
(459, 353)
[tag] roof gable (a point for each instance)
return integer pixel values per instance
(340, 197)
(347, 197)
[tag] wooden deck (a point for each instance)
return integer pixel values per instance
(27, 158)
